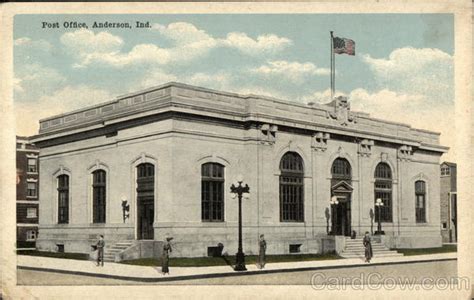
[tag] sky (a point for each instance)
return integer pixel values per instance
(403, 68)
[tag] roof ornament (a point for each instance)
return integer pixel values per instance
(342, 111)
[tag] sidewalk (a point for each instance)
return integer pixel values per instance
(153, 274)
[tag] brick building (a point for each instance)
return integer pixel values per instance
(448, 205)
(171, 153)
(27, 192)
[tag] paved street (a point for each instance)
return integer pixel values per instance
(412, 271)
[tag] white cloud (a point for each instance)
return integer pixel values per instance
(140, 54)
(320, 97)
(416, 87)
(385, 102)
(188, 43)
(294, 71)
(28, 43)
(63, 100)
(231, 82)
(414, 110)
(187, 34)
(404, 60)
(263, 44)
(35, 79)
(260, 91)
(86, 41)
(219, 80)
(154, 77)
(424, 71)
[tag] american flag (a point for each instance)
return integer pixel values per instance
(343, 45)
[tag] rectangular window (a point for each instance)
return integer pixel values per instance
(291, 199)
(295, 248)
(31, 235)
(31, 189)
(212, 192)
(60, 248)
(420, 201)
(63, 199)
(383, 191)
(32, 167)
(99, 196)
(445, 171)
(31, 212)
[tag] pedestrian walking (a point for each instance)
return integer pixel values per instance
(100, 250)
(165, 256)
(368, 247)
(262, 248)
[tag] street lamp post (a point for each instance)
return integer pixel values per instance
(240, 190)
(333, 203)
(125, 209)
(379, 205)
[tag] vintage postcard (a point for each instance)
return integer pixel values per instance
(237, 149)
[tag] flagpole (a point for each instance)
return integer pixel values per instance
(332, 66)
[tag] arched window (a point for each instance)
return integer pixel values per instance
(146, 176)
(291, 188)
(212, 192)
(63, 199)
(420, 204)
(98, 196)
(341, 169)
(383, 191)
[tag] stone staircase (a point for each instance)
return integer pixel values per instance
(112, 249)
(354, 248)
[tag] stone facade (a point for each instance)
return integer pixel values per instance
(177, 128)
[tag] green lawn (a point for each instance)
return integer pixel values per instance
(78, 256)
(228, 260)
(444, 249)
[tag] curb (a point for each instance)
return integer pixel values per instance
(227, 274)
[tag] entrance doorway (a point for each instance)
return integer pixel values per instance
(146, 217)
(145, 201)
(341, 215)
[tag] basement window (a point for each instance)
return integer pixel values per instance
(295, 248)
(60, 248)
(215, 251)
